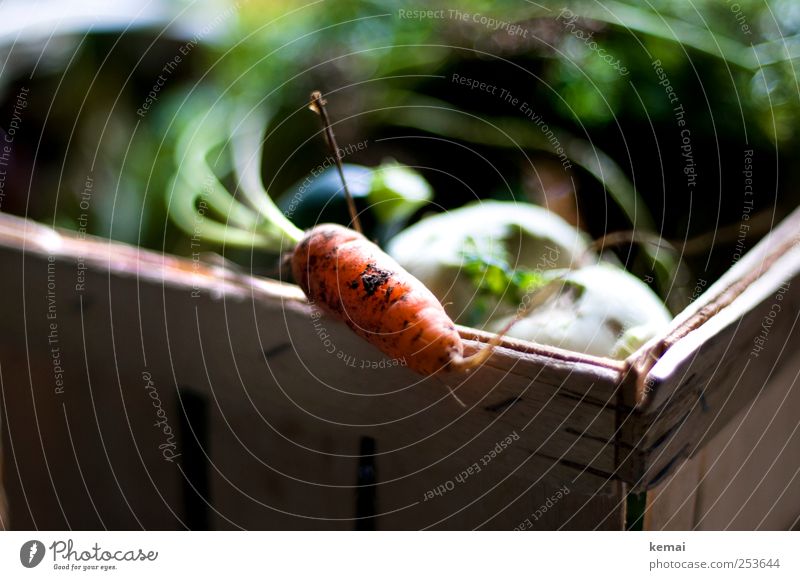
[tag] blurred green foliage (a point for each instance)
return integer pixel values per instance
(386, 71)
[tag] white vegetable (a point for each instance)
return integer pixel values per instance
(527, 236)
(595, 309)
(600, 310)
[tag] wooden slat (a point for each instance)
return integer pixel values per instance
(87, 456)
(710, 372)
(285, 419)
(747, 477)
(273, 419)
(720, 295)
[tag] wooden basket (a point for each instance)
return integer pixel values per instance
(142, 390)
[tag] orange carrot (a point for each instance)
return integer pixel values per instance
(337, 268)
(355, 281)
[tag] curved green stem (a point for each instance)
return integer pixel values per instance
(198, 198)
(247, 134)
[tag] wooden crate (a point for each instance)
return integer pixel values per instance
(142, 390)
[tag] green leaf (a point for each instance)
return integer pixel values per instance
(397, 191)
(493, 277)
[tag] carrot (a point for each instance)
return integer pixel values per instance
(356, 282)
(338, 269)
